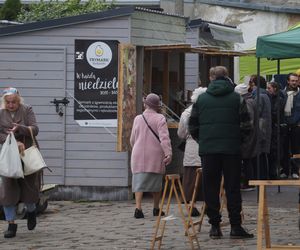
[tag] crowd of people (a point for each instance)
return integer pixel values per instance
(238, 132)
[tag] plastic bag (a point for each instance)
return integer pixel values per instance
(10, 161)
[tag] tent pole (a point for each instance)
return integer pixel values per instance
(257, 177)
(278, 128)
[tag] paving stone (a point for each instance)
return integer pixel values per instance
(111, 225)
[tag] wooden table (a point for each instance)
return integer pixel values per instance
(263, 228)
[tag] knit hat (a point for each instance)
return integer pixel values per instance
(242, 88)
(153, 101)
(10, 91)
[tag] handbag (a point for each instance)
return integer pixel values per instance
(32, 158)
(10, 162)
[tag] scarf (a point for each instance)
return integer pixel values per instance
(289, 102)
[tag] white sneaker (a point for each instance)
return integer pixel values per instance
(295, 176)
(283, 176)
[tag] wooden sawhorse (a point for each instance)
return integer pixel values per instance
(203, 207)
(263, 227)
(192, 237)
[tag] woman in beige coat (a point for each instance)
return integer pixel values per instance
(16, 117)
(191, 158)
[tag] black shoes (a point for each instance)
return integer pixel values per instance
(11, 231)
(31, 220)
(215, 232)
(195, 212)
(156, 212)
(138, 213)
(237, 232)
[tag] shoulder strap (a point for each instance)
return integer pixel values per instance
(32, 137)
(151, 128)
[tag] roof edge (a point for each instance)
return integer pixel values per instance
(65, 21)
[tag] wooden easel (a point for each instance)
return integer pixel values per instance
(203, 207)
(188, 223)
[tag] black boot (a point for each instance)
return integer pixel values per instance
(138, 213)
(237, 232)
(31, 220)
(11, 231)
(156, 212)
(195, 212)
(215, 232)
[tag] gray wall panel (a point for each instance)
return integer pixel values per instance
(38, 69)
(112, 164)
(96, 155)
(104, 181)
(95, 146)
(151, 29)
(31, 70)
(92, 173)
(192, 60)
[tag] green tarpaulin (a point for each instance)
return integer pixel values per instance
(248, 66)
(280, 45)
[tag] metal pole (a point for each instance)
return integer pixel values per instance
(257, 123)
(278, 127)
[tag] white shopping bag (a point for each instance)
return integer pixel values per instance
(10, 161)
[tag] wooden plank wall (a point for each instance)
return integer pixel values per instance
(152, 29)
(90, 156)
(39, 75)
(191, 60)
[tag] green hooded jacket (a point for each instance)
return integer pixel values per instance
(217, 119)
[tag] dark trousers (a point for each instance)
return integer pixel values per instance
(248, 169)
(262, 173)
(290, 141)
(214, 166)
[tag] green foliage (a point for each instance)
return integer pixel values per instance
(10, 10)
(45, 10)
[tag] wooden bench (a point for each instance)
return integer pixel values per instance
(263, 228)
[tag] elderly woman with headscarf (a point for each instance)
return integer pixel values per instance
(191, 158)
(151, 152)
(16, 117)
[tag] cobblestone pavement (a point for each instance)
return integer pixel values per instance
(110, 225)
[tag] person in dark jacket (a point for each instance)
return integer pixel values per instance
(264, 127)
(218, 122)
(277, 112)
(248, 148)
(291, 127)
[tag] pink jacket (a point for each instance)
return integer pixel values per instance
(147, 152)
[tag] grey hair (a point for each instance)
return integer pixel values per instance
(2, 105)
(221, 71)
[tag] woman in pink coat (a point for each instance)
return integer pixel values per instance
(151, 152)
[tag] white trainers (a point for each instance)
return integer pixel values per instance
(295, 176)
(283, 176)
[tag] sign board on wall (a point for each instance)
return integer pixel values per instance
(96, 83)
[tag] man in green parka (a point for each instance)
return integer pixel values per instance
(219, 121)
